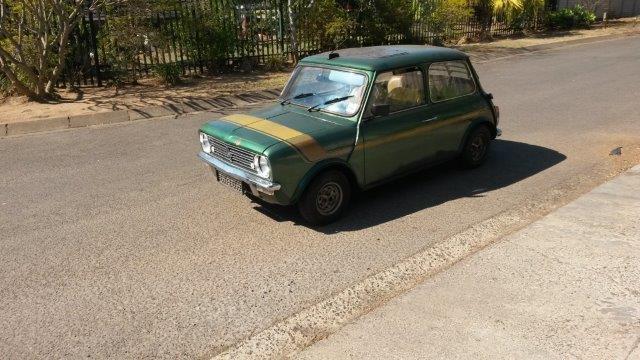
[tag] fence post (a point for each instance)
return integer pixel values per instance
(94, 48)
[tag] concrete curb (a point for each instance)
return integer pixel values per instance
(148, 112)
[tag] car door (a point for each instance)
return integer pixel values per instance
(396, 139)
(454, 97)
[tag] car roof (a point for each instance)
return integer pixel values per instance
(380, 58)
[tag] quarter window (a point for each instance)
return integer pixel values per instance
(449, 79)
(399, 89)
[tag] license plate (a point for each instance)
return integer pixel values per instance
(234, 184)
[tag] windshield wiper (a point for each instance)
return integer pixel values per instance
(299, 96)
(328, 102)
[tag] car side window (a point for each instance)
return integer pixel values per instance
(450, 79)
(400, 89)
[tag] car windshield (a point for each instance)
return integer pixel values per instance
(322, 89)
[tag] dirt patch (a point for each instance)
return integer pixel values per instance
(148, 92)
(522, 44)
(626, 157)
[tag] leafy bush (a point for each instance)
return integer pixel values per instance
(331, 23)
(340, 24)
(442, 16)
(569, 18)
(528, 16)
(169, 74)
(381, 19)
(275, 63)
(208, 40)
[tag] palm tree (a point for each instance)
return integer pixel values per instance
(485, 9)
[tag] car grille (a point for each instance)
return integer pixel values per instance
(232, 154)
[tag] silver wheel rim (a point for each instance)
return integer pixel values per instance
(329, 198)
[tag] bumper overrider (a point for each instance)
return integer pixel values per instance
(256, 183)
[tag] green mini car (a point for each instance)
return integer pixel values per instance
(352, 119)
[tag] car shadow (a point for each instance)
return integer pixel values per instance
(508, 163)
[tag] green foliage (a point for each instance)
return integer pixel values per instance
(527, 16)
(275, 63)
(208, 39)
(331, 22)
(339, 24)
(501, 5)
(379, 19)
(169, 74)
(34, 60)
(442, 16)
(569, 18)
(128, 34)
(5, 86)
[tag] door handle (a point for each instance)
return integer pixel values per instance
(430, 119)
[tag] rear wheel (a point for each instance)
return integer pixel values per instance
(476, 148)
(326, 198)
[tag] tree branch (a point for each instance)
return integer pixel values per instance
(20, 64)
(15, 82)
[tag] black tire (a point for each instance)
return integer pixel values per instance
(476, 148)
(325, 199)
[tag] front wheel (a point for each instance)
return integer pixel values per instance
(476, 148)
(325, 199)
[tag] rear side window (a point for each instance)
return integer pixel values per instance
(450, 79)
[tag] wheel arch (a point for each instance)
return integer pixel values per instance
(321, 167)
(474, 125)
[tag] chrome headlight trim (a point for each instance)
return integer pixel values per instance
(262, 166)
(206, 144)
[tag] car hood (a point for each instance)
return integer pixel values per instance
(257, 131)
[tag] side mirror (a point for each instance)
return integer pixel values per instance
(380, 110)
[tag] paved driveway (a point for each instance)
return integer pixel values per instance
(115, 241)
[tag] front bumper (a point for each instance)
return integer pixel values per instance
(256, 183)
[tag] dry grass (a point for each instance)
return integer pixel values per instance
(518, 44)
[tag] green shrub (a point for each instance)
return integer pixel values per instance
(366, 23)
(209, 40)
(569, 18)
(275, 63)
(169, 74)
(442, 16)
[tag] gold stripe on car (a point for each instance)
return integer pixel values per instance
(306, 144)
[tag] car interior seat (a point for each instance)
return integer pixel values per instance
(403, 92)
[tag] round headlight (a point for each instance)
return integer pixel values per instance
(206, 145)
(262, 166)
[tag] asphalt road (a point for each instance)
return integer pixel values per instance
(115, 241)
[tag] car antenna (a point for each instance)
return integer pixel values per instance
(333, 54)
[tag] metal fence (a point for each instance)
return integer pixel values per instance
(204, 36)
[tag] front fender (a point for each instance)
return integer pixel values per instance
(318, 168)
